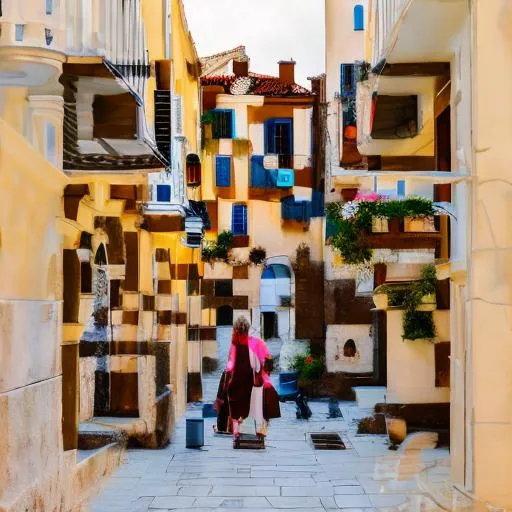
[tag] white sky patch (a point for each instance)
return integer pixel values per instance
(271, 30)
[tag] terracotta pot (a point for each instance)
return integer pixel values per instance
(350, 132)
(349, 194)
(397, 429)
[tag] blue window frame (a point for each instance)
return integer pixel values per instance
(223, 171)
(163, 193)
(49, 6)
(223, 124)
(279, 136)
(348, 84)
(20, 29)
(239, 219)
(358, 17)
(400, 188)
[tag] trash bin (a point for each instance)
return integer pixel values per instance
(195, 433)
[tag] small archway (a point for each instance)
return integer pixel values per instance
(224, 316)
(349, 349)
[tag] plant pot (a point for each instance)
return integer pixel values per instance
(380, 300)
(349, 194)
(397, 430)
(380, 225)
(428, 303)
(443, 271)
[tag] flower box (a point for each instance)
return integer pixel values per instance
(419, 225)
(380, 300)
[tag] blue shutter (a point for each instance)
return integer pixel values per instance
(400, 187)
(239, 219)
(49, 6)
(19, 30)
(163, 193)
(223, 171)
(258, 172)
(272, 178)
(317, 205)
(358, 17)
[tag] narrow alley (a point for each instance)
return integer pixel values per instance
(289, 474)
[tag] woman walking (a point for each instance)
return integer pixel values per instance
(249, 390)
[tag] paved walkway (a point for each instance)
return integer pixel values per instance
(289, 474)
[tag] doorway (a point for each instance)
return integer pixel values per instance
(269, 320)
(224, 316)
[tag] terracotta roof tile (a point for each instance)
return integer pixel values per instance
(262, 85)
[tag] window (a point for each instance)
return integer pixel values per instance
(400, 188)
(50, 142)
(163, 193)
(19, 32)
(349, 349)
(49, 6)
(48, 35)
(348, 81)
(223, 288)
(239, 219)
(358, 17)
(223, 171)
(396, 117)
(223, 124)
(279, 139)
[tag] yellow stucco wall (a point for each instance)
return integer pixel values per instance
(411, 364)
(185, 84)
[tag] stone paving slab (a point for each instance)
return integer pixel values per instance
(288, 475)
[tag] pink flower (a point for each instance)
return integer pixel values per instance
(370, 197)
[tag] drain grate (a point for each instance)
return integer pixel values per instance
(327, 441)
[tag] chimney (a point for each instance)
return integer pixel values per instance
(241, 68)
(287, 71)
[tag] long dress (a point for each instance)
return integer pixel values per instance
(248, 357)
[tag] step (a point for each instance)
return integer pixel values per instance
(368, 396)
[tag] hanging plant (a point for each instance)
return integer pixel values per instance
(218, 250)
(258, 255)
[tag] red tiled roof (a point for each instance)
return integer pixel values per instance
(262, 85)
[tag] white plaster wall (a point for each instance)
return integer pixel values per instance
(257, 138)
(343, 44)
(29, 350)
(411, 364)
(87, 368)
(302, 137)
(31, 444)
(336, 337)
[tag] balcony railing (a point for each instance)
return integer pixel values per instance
(384, 15)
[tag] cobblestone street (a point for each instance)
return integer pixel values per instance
(289, 474)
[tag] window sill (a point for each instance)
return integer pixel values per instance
(240, 241)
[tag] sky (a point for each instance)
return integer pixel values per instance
(270, 30)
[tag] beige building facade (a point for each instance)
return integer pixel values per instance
(449, 70)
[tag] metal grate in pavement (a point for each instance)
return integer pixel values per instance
(327, 441)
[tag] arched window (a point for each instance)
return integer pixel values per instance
(358, 17)
(349, 349)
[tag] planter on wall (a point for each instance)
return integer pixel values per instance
(443, 270)
(420, 224)
(428, 303)
(380, 300)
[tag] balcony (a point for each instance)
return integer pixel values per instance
(414, 30)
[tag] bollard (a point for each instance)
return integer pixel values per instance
(195, 433)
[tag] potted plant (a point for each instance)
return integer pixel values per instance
(380, 297)
(310, 368)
